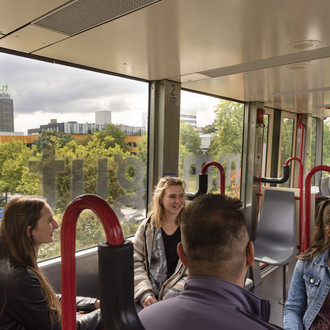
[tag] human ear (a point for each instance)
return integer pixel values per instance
(327, 231)
(250, 254)
(29, 231)
(181, 254)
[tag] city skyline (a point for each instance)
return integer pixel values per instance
(42, 91)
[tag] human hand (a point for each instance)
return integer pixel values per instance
(97, 304)
(149, 300)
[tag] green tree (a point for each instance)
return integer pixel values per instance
(16, 177)
(326, 143)
(142, 149)
(209, 129)
(14, 157)
(52, 137)
(190, 138)
(117, 137)
(95, 149)
(229, 124)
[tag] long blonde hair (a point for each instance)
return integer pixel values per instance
(20, 213)
(157, 209)
(320, 241)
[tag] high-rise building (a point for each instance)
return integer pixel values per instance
(103, 117)
(189, 118)
(6, 113)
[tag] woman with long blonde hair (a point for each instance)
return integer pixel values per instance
(308, 302)
(158, 272)
(27, 301)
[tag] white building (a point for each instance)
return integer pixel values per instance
(103, 117)
(205, 141)
(189, 118)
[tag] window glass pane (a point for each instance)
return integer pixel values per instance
(326, 145)
(286, 147)
(215, 136)
(312, 151)
(92, 125)
(265, 145)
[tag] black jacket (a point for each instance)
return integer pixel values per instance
(23, 305)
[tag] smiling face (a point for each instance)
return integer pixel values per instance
(173, 200)
(44, 231)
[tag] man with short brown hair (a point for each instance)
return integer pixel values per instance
(216, 249)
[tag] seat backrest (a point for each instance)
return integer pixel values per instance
(277, 219)
(324, 187)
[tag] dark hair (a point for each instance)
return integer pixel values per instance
(20, 213)
(214, 232)
(320, 241)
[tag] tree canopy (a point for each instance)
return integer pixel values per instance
(190, 138)
(112, 135)
(229, 125)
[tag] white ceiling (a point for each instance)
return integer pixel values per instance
(277, 52)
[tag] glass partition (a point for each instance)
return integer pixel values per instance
(216, 135)
(286, 145)
(76, 132)
(326, 145)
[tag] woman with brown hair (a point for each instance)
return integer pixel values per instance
(27, 301)
(158, 272)
(308, 302)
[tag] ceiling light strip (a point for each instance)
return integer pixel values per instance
(266, 63)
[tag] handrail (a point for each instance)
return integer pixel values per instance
(113, 234)
(202, 187)
(308, 200)
(222, 174)
(284, 178)
(301, 189)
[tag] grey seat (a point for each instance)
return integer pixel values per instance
(324, 187)
(275, 242)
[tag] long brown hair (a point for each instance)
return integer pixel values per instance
(20, 213)
(157, 210)
(321, 241)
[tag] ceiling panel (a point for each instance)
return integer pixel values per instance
(17, 13)
(31, 38)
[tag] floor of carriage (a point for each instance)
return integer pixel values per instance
(271, 288)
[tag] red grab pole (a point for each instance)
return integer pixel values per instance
(308, 200)
(301, 193)
(222, 175)
(113, 234)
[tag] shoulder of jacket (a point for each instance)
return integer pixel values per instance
(23, 272)
(258, 322)
(147, 226)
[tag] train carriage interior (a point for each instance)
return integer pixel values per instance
(267, 60)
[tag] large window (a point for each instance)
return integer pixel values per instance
(61, 166)
(326, 143)
(214, 134)
(312, 151)
(287, 142)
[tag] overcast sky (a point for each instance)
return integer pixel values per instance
(43, 91)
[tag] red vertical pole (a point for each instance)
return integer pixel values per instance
(114, 236)
(301, 193)
(308, 200)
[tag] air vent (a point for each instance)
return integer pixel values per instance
(82, 15)
(303, 45)
(300, 66)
